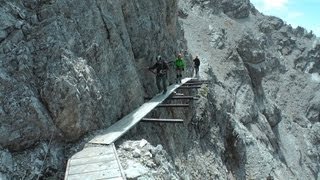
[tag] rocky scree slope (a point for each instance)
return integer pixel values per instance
(265, 94)
(70, 67)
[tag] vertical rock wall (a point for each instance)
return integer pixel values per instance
(68, 67)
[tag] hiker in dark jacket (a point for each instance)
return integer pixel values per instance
(161, 73)
(196, 64)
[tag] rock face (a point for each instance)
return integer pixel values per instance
(70, 67)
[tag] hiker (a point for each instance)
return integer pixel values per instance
(196, 64)
(161, 73)
(179, 68)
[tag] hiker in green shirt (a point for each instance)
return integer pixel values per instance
(179, 68)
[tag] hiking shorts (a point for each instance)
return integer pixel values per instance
(179, 68)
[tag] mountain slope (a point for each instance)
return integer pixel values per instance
(68, 68)
(265, 93)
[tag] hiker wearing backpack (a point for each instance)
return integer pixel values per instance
(161, 73)
(196, 64)
(179, 63)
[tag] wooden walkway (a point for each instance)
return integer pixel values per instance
(122, 126)
(100, 160)
(95, 163)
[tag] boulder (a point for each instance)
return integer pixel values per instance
(237, 9)
(251, 49)
(270, 24)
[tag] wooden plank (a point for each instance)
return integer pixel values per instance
(173, 105)
(96, 175)
(162, 120)
(99, 162)
(93, 167)
(119, 128)
(93, 151)
(91, 160)
(116, 178)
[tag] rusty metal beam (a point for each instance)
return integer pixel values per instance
(176, 97)
(193, 83)
(162, 120)
(184, 97)
(178, 94)
(198, 81)
(173, 105)
(189, 87)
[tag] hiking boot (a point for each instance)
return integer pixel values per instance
(164, 92)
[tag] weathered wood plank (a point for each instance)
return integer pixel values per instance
(99, 162)
(96, 175)
(116, 178)
(93, 151)
(99, 166)
(115, 131)
(90, 160)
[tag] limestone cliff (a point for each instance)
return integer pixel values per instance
(68, 68)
